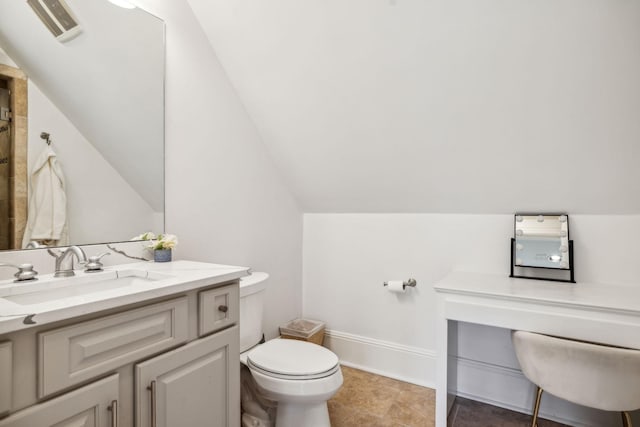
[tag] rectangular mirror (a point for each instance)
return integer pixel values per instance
(100, 97)
(541, 241)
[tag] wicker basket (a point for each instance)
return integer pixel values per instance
(304, 330)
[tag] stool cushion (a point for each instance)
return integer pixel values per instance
(588, 374)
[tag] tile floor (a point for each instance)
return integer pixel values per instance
(468, 413)
(370, 400)
(374, 401)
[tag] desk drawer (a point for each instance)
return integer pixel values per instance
(218, 308)
(76, 353)
(6, 375)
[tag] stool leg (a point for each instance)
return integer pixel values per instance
(626, 419)
(536, 408)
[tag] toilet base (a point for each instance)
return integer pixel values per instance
(302, 414)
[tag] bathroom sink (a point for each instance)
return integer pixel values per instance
(90, 285)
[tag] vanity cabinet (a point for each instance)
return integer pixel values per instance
(165, 362)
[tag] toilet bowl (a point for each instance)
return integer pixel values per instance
(300, 376)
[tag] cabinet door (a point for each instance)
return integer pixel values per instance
(6, 375)
(197, 385)
(94, 405)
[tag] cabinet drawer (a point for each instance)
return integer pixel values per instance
(218, 308)
(88, 406)
(76, 353)
(6, 375)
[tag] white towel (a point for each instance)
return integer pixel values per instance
(47, 214)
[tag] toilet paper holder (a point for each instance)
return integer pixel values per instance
(410, 282)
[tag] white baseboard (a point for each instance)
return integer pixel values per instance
(476, 380)
(405, 363)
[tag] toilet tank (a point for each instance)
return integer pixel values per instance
(251, 309)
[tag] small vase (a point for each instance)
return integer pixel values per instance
(162, 255)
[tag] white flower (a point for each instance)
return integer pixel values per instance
(167, 241)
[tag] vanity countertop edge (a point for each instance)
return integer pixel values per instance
(618, 298)
(185, 276)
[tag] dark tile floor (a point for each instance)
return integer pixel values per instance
(369, 400)
(469, 413)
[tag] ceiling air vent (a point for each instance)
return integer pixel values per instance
(57, 17)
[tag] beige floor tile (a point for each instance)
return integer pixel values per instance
(369, 400)
(369, 420)
(407, 416)
(372, 400)
(339, 414)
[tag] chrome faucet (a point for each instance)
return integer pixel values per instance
(64, 260)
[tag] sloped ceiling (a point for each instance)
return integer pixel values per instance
(478, 106)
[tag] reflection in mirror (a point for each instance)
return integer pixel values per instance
(100, 97)
(542, 241)
(541, 248)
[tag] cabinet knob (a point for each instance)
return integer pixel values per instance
(223, 308)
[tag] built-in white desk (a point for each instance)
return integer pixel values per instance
(590, 312)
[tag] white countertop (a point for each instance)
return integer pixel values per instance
(181, 276)
(595, 296)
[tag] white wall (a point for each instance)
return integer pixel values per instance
(451, 106)
(347, 257)
(224, 198)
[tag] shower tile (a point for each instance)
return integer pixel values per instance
(19, 187)
(19, 164)
(21, 134)
(20, 97)
(20, 209)
(14, 72)
(4, 185)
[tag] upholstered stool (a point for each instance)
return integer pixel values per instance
(588, 374)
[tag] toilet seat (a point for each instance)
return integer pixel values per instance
(293, 377)
(293, 360)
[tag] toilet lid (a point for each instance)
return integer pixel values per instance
(293, 358)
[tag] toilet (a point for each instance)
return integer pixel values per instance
(300, 376)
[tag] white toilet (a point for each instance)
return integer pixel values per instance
(299, 375)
